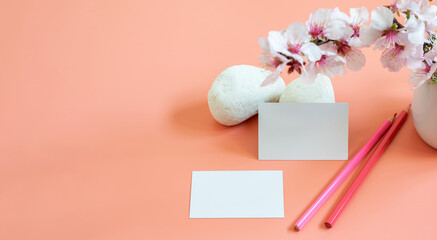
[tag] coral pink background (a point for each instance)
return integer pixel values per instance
(104, 115)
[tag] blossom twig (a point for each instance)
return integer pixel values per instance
(330, 42)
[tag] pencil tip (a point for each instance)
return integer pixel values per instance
(328, 225)
(407, 109)
(392, 117)
(296, 228)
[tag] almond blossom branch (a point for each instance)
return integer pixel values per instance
(326, 44)
(330, 41)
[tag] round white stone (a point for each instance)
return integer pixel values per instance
(320, 91)
(236, 92)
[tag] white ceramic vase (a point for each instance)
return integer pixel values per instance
(425, 113)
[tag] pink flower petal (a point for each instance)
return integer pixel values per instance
(355, 60)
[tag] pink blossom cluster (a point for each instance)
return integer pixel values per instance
(330, 41)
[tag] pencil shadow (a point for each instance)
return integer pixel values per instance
(195, 121)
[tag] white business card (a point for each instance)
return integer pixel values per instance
(237, 194)
(303, 131)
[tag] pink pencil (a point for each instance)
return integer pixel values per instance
(376, 155)
(342, 175)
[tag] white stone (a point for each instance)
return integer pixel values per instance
(236, 92)
(320, 91)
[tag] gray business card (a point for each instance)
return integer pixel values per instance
(303, 131)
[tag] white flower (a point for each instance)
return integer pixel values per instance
(416, 30)
(274, 60)
(287, 47)
(330, 64)
(427, 14)
(355, 59)
(298, 43)
(422, 75)
(277, 42)
(382, 19)
(380, 30)
(395, 57)
(421, 8)
(359, 17)
(265, 46)
(425, 69)
(322, 26)
(351, 33)
(415, 61)
(274, 75)
(317, 23)
(423, 11)
(431, 24)
(405, 5)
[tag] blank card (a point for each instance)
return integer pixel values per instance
(303, 131)
(236, 194)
